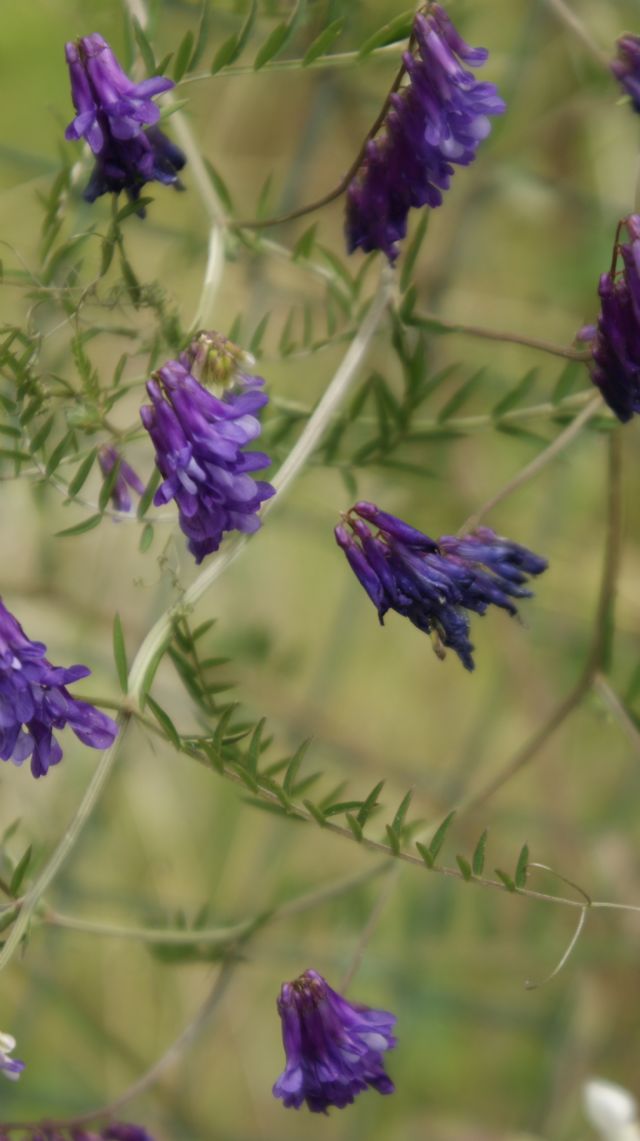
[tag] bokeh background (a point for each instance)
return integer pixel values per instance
(519, 245)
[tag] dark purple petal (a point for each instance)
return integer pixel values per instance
(108, 457)
(437, 120)
(199, 440)
(615, 367)
(333, 1047)
(435, 584)
(118, 118)
(626, 68)
(124, 1132)
(34, 701)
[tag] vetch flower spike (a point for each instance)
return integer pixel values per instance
(615, 340)
(118, 118)
(126, 477)
(10, 1067)
(435, 582)
(626, 68)
(34, 701)
(333, 1047)
(199, 440)
(435, 122)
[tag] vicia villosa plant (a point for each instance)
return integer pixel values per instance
(325, 332)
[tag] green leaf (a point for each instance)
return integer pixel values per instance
(219, 185)
(82, 474)
(293, 768)
(152, 667)
(120, 653)
(149, 492)
(460, 397)
(568, 382)
(505, 879)
(425, 853)
(355, 827)
(80, 528)
(319, 46)
(394, 840)
(479, 854)
(465, 868)
(20, 871)
(399, 818)
(144, 47)
(234, 46)
(412, 251)
(522, 388)
(304, 246)
(62, 447)
(439, 836)
(522, 867)
(272, 45)
(164, 721)
(201, 34)
(370, 804)
(397, 29)
(255, 749)
(146, 538)
(317, 813)
(183, 55)
(258, 334)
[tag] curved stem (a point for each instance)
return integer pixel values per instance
(433, 320)
(324, 62)
(51, 869)
(314, 430)
(568, 17)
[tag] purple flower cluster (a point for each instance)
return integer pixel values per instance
(626, 68)
(333, 1047)
(432, 583)
(10, 1067)
(118, 119)
(437, 121)
(615, 339)
(199, 440)
(126, 477)
(34, 701)
(117, 1131)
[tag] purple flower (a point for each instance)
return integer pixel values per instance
(10, 1067)
(615, 367)
(333, 1047)
(126, 477)
(199, 440)
(118, 118)
(123, 1132)
(434, 583)
(437, 120)
(626, 68)
(34, 701)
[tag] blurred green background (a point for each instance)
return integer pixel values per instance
(519, 245)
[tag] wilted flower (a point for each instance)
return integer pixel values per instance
(333, 1047)
(10, 1067)
(434, 583)
(199, 441)
(611, 1110)
(436, 121)
(126, 477)
(626, 68)
(615, 339)
(34, 701)
(118, 118)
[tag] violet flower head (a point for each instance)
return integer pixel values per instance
(118, 119)
(615, 340)
(333, 1047)
(10, 1067)
(200, 440)
(126, 477)
(124, 1132)
(34, 701)
(435, 122)
(434, 583)
(626, 68)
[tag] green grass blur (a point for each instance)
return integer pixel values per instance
(518, 245)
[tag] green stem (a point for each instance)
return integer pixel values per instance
(337, 59)
(434, 321)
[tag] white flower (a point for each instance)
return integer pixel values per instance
(611, 1110)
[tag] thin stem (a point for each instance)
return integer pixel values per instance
(529, 985)
(310, 208)
(336, 59)
(562, 441)
(568, 17)
(369, 930)
(66, 844)
(290, 468)
(429, 320)
(617, 708)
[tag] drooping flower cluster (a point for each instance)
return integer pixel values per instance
(615, 339)
(626, 68)
(434, 583)
(333, 1047)
(434, 123)
(34, 701)
(118, 119)
(126, 477)
(199, 440)
(10, 1067)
